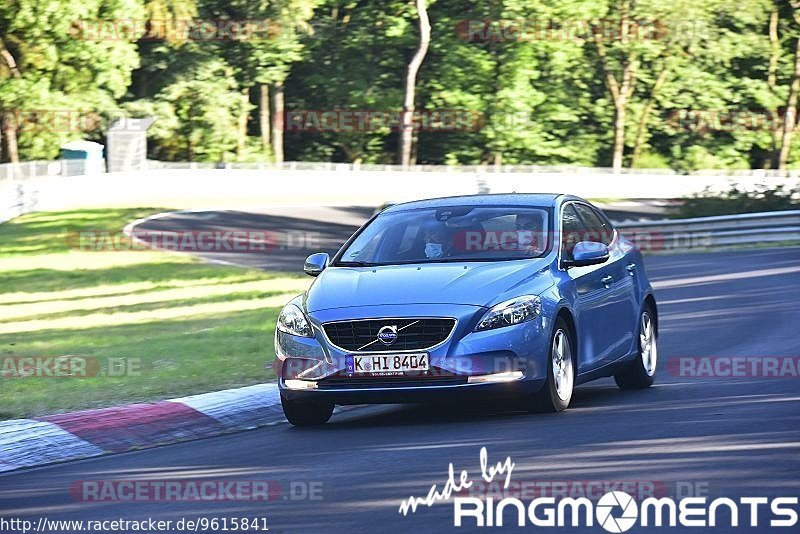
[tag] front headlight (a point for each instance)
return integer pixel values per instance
(293, 321)
(514, 311)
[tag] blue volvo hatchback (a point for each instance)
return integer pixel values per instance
(494, 296)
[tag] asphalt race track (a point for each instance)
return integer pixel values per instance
(720, 436)
(298, 231)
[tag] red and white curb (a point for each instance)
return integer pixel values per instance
(71, 436)
(241, 408)
(27, 442)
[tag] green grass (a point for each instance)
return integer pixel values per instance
(190, 327)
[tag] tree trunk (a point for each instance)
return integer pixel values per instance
(10, 134)
(277, 122)
(621, 91)
(263, 116)
(619, 134)
(775, 47)
(622, 96)
(411, 80)
(8, 59)
(790, 118)
(498, 161)
(9, 126)
(241, 140)
(641, 128)
(772, 82)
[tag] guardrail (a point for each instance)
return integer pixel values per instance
(29, 169)
(49, 168)
(201, 186)
(474, 169)
(40, 186)
(714, 232)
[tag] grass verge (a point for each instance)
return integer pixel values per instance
(151, 325)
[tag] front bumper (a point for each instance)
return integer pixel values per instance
(314, 368)
(415, 394)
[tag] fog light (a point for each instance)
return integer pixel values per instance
(508, 376)
(300, 384)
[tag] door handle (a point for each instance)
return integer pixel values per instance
(606, 280)
(631, 268)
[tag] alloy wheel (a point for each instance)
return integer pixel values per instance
(562, 365)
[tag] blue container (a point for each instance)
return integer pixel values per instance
(82, 157)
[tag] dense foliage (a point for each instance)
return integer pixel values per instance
(635, 83)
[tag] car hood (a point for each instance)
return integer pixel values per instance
(472, 283)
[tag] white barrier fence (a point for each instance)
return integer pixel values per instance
(714, 232)
(40, 186)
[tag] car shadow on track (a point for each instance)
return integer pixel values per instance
(464, 412)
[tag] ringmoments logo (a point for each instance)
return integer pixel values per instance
(615, 511)
(618, 511)
(616, 500)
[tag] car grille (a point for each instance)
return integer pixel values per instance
(412, 334)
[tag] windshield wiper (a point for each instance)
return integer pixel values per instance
(475, 260)
(354, 264)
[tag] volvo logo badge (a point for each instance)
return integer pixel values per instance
(387, 334)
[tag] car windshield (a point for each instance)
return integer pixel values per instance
(450, 234)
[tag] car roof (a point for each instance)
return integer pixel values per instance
(497, 199)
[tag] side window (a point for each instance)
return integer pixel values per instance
(571, 231)
(598, 231)
(609, 228)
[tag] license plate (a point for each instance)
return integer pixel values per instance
(386, 364)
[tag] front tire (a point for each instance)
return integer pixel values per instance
(556, 393)
(641, 372)
(305, 413)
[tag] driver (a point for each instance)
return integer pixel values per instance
(529, 233)
(437, 244)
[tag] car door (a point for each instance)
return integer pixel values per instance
(594, 311)
(615, 325)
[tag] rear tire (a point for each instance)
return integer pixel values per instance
(641, 372)
(556, 393)
(305, 413)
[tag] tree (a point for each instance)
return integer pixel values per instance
(51, 60)
(355, 60)
(635, 83)
(197, 115)
(790, 115)
(622, 83)
(7, 127)
(263, 57)
(411, 82)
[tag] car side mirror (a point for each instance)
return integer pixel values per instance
(587, 253)
(316, 263)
